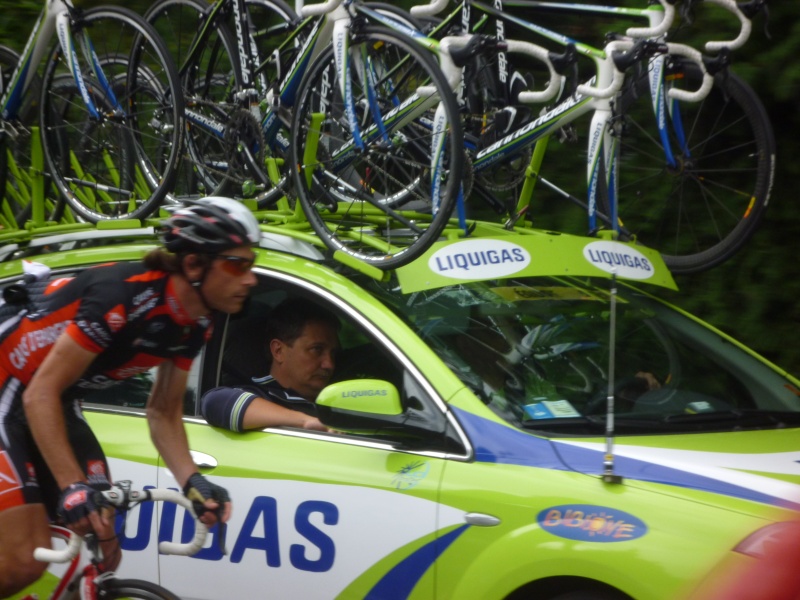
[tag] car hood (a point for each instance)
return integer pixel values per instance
(755, 466)
(762, 466)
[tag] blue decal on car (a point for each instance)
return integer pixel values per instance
(401, 580)
(497, 443)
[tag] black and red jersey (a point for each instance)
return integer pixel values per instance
(126, 313)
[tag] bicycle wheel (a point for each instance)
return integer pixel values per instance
(275, 32)
(225, 148)
(384, 204)
(208, 65)
(703, 210)
(116, 158)
(134, 589)
(16, 173)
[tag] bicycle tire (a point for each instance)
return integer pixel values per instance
(276, 33)
(701, 213)
(134, 589)
(220, 123)
(208, 84)
(121, 162)
(366, 203)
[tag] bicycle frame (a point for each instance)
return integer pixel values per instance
(323, 24)
(80, 577)
(538, 131)
(602, 141)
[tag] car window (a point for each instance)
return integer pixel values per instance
(539, 352)
(241, 352)
(130, 393)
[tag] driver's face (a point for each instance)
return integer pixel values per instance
(306, 365)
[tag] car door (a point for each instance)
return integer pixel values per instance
(117, 417)
(320, 515)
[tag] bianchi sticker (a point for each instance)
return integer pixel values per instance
(586, 522)
(479, 259)
(613, 256)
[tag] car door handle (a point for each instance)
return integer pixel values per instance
(481, 519)
(203, 460)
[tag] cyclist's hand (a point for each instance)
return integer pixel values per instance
(83, 510)
(211, 501)
(76, 503)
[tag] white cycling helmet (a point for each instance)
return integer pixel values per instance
(209, 225)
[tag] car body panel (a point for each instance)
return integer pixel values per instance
(466, 505)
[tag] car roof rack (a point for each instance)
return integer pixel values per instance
(31, 240)
(283, 231)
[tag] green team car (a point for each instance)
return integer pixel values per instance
(515, 417)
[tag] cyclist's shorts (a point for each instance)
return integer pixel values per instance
(24, 475)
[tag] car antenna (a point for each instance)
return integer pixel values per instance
(608, 460)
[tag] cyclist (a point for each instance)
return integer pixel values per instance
(62, 337)
(301, 346)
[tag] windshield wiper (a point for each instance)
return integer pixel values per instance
(747, 417)
(654, 423)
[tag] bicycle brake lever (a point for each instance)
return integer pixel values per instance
(222, 532)
(687, 11)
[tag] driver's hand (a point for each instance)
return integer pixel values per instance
(652, 382)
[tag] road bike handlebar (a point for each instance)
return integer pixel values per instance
(625, 53)
(554, 84)
(618, 76)
(428, 10)
(696, 57)
(315, 10)
(661, 28)
(744, 32)
(119, 497)
(455, 51)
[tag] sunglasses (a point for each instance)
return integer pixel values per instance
(235, 265)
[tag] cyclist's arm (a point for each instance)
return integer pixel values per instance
(65, 363)
(165, 418)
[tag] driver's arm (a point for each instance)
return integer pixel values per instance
(240, 410)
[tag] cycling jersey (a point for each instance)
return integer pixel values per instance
(225, 406)
(127, 314)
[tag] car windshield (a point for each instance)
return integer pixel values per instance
(538, 353)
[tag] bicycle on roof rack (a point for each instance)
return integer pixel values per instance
(110, 116)
(381, 158)
(688, 173)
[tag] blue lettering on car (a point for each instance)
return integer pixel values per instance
(263, 510)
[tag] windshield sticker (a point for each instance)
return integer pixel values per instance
(615, 257)
(550, 409)
(585, 522)
(479, 259)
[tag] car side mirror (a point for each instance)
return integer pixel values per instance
(361, 406)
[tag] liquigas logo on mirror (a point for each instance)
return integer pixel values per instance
(479, 259)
